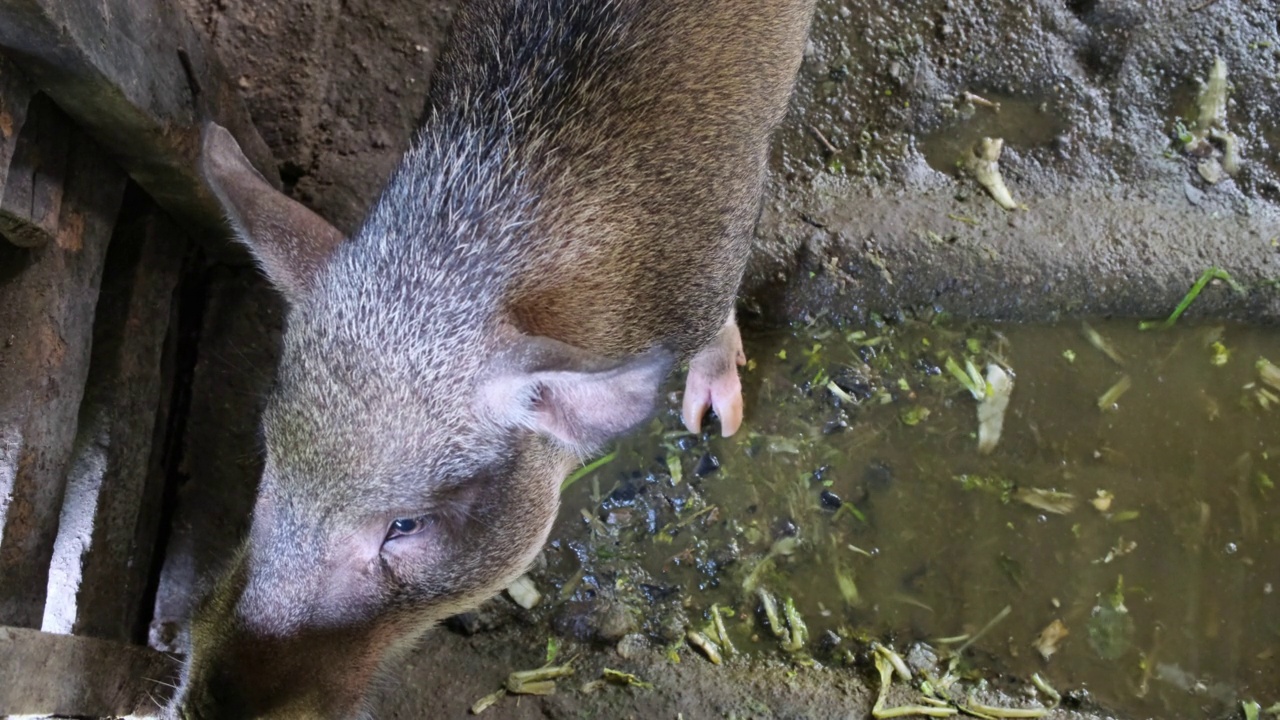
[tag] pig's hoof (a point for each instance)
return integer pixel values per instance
(713, 382)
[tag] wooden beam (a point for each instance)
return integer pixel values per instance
(139, 78)
(32, 194)
(15, 96)
(66, 676)
(48, 297)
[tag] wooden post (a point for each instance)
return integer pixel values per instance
(48, 296)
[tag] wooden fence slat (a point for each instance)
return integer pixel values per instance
(67, 676)
(93, 589)
(47, 302)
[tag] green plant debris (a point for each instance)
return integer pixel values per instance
(1110, 627)
(553, 649)
(537, 682)
(617, 677)
(1266, 398)
(1051, 501)
(585, 470)
(964, 219)
(1069, 355)
(969, 377)
(914, 415)
(992, 407)
(675, 469)
(1119, 550)
(886, 667)
(848, 588)
(1102, 344)
(487, 701)
(993, 484)
(704, 645)
(1268, 372)
(1046, 689)
(985, 629)
(1221, 355)
(1107, 402)
(1012, 570)
(783, 546)
(722, 634)
(838, 392)
(1124, 516)
(1251, 709)
(983, 162)
(1102, 500)
(999, 712)
(799, 632)
(1213, 273)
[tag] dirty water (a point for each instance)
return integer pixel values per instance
(1130, 534)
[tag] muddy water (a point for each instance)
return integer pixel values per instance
(884, 521)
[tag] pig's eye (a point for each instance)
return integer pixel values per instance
(407, 526)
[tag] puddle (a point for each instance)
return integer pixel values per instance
(1024, 123)
(904, 532)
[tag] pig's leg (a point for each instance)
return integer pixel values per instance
(713, 381)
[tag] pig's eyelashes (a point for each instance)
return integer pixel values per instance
(407, 526)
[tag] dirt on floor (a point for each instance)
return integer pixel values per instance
(866, 211)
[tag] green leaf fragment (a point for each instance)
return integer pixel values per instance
(675, 469)
(617, 677)
(914, 415)
(1213, 273)
(585, 470)
(1268, 372)
(969, 377)
(1221, 355)
(1107, 402)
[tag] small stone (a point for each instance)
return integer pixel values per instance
(830, 500)
(1211, 170)
(834, 426)
(614, 622)
(707, 465)
(632, 645)
(921, 658)
(829, 641)
(1195, 195)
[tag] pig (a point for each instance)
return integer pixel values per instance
(572, 221)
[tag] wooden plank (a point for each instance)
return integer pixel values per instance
(217, 478)
(93, 587)
(47, 302)
(33, 186)
(139, 78)
(15, 95)
(44, 674)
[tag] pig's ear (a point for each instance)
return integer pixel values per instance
(291, 243)
(571, 397)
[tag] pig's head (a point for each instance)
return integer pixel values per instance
(413, 463)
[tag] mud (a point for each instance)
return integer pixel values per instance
(865, 212)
